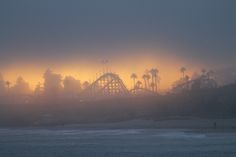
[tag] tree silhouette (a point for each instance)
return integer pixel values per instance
(138, 84)
(2, 85)
(145, 80)
(85, 84)
(134, 77)
(183, 70)
(152, 85)
(38, 89)
(148, 80)
(21, 87)
(52, 84)
(72, 86)
(154, 74)
(8, 83)
(187, 78)
(209, 74)
(203, 71)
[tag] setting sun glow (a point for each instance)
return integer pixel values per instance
(91, 69)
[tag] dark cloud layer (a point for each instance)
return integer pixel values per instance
(49, 28)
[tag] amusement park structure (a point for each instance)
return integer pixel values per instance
(107, 85)
(110, 85)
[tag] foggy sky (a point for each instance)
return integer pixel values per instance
(40, 29)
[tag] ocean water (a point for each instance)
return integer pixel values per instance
(115, 143)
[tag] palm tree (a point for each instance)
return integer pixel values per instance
(145, 80)
(152, 85)
(148, 80)
(8, 83)
(187, 78)
(138, 84)
(203, 71)
(134, 77)
(158, 80)
(183, 70)
(154, 73)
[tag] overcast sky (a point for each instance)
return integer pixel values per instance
(201, 29)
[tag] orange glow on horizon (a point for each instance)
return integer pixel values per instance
(88, 71)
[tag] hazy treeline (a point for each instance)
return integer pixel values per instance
(56, 101)
(53, 86)
(210, 103)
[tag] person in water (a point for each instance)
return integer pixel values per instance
(214, 124)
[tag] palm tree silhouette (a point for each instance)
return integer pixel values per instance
(152, 85)
(158, 80)
(138, 84)
(154, 73)
(8, 83)
(183, 70)
(145, 80)
(148, 80)
(203, 71)
(134, 77)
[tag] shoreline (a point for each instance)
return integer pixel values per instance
(192, 124)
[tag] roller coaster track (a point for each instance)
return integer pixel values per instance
(108, 84)
(142, 91)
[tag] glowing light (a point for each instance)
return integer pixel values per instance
(90, 68)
